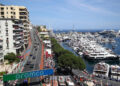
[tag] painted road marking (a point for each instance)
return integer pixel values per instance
(27, 51)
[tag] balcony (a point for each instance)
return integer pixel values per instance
(1, 42)
(1, 47)
(18, 34)
(17, 42)
(23, 17)
(25, 41)
(1, 50)
(18, 30)
(23, 10)
(25, 23)
(25, 34)
(17, 46)
(18, 26)
(25, 20)
(18, 38)
(1, 56)
(21, 41)
(23, 13)
(25, 31)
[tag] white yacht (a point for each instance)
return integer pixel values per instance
(88, 46)
(115, 72)
(101, 69)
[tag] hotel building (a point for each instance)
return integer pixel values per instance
(11, 36)
(17, 12)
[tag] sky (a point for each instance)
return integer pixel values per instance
(64, 14)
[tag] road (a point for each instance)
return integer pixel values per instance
(35, 52)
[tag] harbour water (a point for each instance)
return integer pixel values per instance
(90, 64)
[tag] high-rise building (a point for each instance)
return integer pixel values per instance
(17, 12)
(11, 36)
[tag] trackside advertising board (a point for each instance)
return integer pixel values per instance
(27, 74)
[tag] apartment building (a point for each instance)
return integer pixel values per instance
(11, 36)
(17, 12)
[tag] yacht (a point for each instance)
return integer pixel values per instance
(88, 46)
(101, 69)
(115, 72)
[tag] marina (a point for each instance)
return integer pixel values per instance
(104, 48)
(88, 46)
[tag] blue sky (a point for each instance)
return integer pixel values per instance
(63, 14)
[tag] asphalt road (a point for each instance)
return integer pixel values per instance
(35, 52)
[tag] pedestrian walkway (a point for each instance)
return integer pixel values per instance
(27, 51)
(42, 58)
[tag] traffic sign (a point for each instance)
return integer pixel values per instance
(27, 74)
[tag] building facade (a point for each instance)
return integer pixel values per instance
(11, 36)
(17, 12)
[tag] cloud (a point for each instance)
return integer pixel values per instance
(81, 4)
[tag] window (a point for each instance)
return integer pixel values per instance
(6, 23)
(7, 42)
(2, 16)
(2, 8)
(6, 31)
(6, 34)
(11, 16)
(11, 8)
(2, 13)
(6, 28)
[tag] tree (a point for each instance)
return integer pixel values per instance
(71, 61)
(79, 63)
(11, 57)
(65, 61)
(65, 58)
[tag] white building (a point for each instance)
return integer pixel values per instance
(30, 26)
(17, 12)
(11, 36)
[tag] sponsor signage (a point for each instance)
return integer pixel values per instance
(27, 74)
